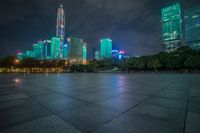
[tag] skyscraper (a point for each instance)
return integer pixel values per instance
(65, 51)
(60, 28)
(77, 50)
(55, 48)
(38, 50)
(192, 27)
(84, 50)
(106, 48)
(171, 27)
(97, 55)
(47, 49)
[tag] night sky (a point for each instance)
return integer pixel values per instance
(133, 25)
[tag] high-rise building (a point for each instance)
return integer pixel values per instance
(38, 50)
(47, 49)
(192, 27)
(97, 55)
(106, 48)
(20, 56)
(28, 54)
(94, 49)
(55, 48)
(60, 27)
(65, 51)
(172, 27)
(84, 53)
(77, 50)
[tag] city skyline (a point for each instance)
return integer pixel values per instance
(135, 44)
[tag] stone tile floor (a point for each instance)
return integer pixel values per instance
(113, 103)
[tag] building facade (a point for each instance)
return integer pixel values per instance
(106, 48)
(77, 50)
(47, 50)
(192, 27)
(60, 27)
(97, 55)
(65, 52)
(55, 48)
(172, 27)
(84, 53)
(38, 50)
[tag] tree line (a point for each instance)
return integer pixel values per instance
(183, 59)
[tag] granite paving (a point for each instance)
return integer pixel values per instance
(100, 103)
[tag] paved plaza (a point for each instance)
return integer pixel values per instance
(100, 103)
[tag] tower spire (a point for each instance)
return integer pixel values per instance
(60, 27)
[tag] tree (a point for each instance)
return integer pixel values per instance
(153, 64)
(8, 61)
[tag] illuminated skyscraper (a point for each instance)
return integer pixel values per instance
(20, 56)
(60, 28)
(106, 48)
(172, 27)
(77, 50)
(192, 27)
(38, 50)
(84, 50)
(97, 55)
(55, 48)
(65, 51)
(47, 49)
(28, 54)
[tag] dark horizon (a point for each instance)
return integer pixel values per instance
(136, 28)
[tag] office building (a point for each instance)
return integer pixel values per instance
(172, 27)
(192, 27)
(28, 54)
(77, 50)
(106, 48)
(65, 52)
(55, 48)
(47, 49)
(97, 55)
(20, 56)
(38, 50)
(84, 53)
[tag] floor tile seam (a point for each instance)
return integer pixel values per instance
(21, 123)
(186, 110)
(54, 113)
(132, 107)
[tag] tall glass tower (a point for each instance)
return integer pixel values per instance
(84, 53)
(38, 50)
(171, 27)
(192, 27)
(106, 48)
(60, 28)
(55, 48)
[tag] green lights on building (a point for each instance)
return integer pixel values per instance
(38, 50)
(65, 51)
(106, 48)
(20, 56)
(55, 48)
(84, 54)
(77, 50)
(171, 27)
(28, 54)
(97, 55)
(192, 27)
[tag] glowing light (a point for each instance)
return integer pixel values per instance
(16, 61)
(122, 51)
(120, 56)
